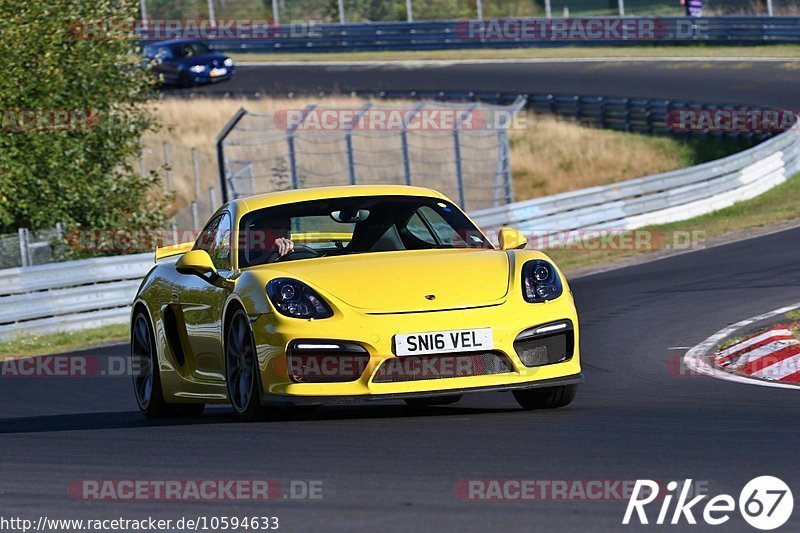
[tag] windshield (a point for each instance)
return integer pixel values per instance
(342, 226)
(194, 49)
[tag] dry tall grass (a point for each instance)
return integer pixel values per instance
(552, 156)
(548, 155)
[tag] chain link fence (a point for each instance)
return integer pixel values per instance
(27, 248)
(188, 173)
(460, 149)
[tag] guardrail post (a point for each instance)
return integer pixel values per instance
(24, 247)
(404, 140)
(348, 140)
(457, 155)
(409, 14)
(212, 194)
(341, 12)
(621, 7)
(459, 171)
(290, 133)
(276, 17)
(223, 172)
(548, 11)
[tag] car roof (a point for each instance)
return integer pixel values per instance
(252, 203)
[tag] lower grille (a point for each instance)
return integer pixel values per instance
(545, 348)
(425, 367)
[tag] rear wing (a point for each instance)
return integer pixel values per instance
(174, 249)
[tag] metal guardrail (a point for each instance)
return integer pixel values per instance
(458, 34)
(657, 199)
(69, 296)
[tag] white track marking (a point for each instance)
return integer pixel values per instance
(421, 63)
(697, 357)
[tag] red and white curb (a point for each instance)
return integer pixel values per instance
(770, 359)
(773, 354)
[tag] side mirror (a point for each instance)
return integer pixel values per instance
(196, 262)
(511, 239)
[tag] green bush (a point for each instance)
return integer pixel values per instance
(83, 172)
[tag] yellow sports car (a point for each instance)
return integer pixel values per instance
(345, 294)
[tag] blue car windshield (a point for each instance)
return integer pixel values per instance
(193, 49)
(341, 226)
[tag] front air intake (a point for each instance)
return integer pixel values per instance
(546, 344)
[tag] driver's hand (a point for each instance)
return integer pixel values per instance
(284, 246)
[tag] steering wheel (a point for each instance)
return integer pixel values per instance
(300, 252)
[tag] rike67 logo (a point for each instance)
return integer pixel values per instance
(765, 503)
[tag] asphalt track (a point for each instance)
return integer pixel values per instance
(386, 468)
(767, 83)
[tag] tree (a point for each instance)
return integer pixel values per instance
(72, 103)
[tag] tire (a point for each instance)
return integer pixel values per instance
(433, 400)
(147, 376)
(241, 370)
(545, 398)
(184, 80)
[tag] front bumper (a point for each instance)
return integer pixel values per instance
(275, 399)
(375, 333)
(204, 77)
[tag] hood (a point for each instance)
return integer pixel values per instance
(213, 59)
(397, 282)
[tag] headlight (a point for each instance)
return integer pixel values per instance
(297, 300)
(197, 68)
(540, 281)
(228, 62)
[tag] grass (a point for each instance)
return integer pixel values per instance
(26, 346)
(776, 206)
(548, 155)
(788, 51)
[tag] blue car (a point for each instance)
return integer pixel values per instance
(186, 62)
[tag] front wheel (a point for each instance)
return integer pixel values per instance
(241, 369)
(184, 80)
(545, 398)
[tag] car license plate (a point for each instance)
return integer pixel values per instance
(215, 72)
(436, 342)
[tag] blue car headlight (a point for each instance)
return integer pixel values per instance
(197, 69)
(540, 281)
(295, 299)
(228, 62)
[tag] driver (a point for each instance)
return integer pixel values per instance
(269, 239)
(278, 231)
